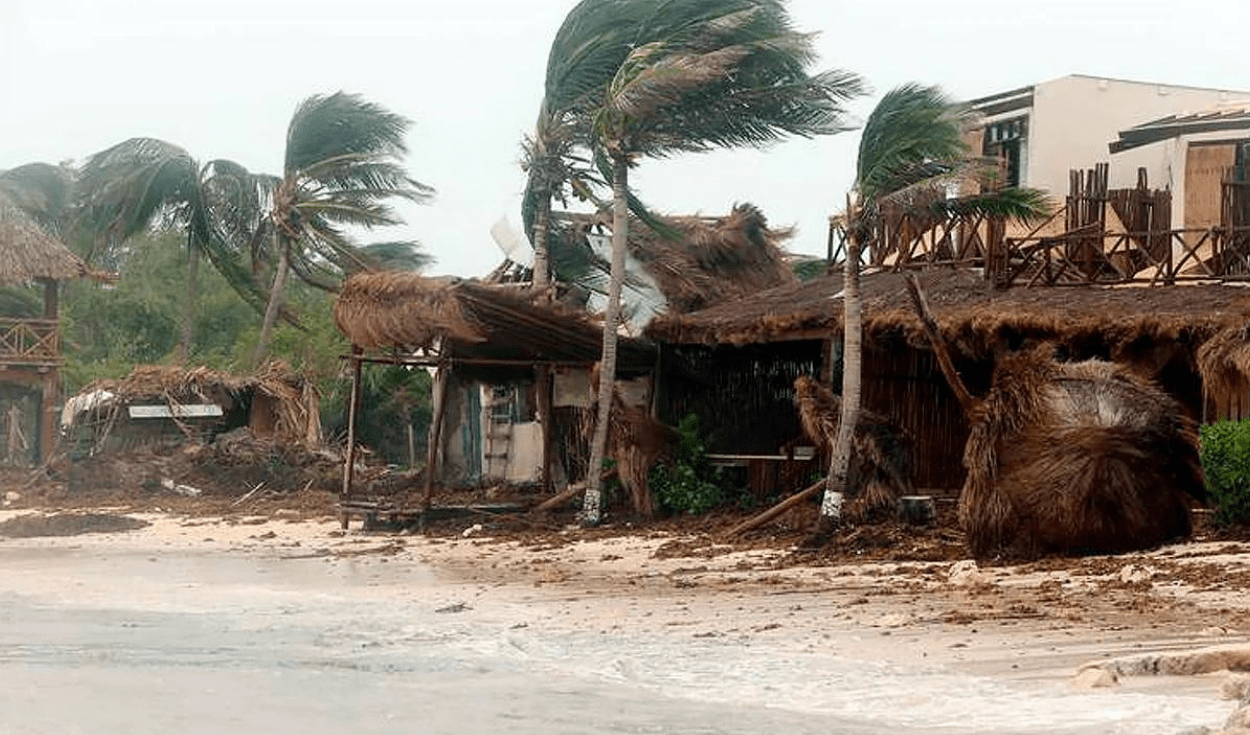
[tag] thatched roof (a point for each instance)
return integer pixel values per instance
(1224, 360)
(394, 310)
(295, 400)
(704, 260)
(973, 316)
(29, 253)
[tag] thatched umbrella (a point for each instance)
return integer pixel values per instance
(1077, 457)
(1070, 456)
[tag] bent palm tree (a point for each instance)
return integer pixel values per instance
(722, 74)
(910, 152)
(342, 165)
(130, 187)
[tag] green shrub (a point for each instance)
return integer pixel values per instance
(1226, 464)
(690, 484)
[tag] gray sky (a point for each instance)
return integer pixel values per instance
(221, 78)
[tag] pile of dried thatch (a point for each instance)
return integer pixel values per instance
(293, 400)
(880, 471)
(1077, 457)
(715, 259)
(698, 261)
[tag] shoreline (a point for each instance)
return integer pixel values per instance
(1028, 625)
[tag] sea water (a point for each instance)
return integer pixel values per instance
(218, 643)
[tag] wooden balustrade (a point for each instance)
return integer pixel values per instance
(33, 342)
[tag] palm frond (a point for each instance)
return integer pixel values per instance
(328, 126)
(910, 133)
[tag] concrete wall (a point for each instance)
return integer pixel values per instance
(1075, 118)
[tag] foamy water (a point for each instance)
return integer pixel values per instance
(214, 643)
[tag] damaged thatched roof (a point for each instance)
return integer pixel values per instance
(295, 399)
(703, 260)
(974, 317)
(469, 320)
(28, 253)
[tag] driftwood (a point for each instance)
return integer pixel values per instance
(570, 492)
(775, 511)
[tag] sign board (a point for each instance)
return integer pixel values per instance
(185, 411)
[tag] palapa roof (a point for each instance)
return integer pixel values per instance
(703, 260)
(972, 315)
(470, 320)
(28, 253)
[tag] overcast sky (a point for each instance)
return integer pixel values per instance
(221, 78)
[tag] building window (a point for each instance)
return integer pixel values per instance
(1005, 140)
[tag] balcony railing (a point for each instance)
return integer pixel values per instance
(33, 342)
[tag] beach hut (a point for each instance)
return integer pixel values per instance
(751, 351)
(488, 345)
(30, 344)
(156, 404)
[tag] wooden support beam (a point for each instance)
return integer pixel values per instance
(349, 455)
(441, 376)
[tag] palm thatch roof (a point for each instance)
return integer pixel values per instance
(974, 318)
(465, 319)
(294, 400)
(28, 253)
(694, 261)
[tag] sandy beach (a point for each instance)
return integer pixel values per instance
(677, 620)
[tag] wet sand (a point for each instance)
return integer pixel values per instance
(295, 626)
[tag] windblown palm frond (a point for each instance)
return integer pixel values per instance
(44, 192)
(343, 166)
(145, 182)
(911, 136)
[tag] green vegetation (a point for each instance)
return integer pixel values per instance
(690, 484)
(1226, 463)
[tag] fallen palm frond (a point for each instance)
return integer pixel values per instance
(881, 463)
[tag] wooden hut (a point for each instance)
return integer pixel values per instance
(159, 403)
(735, 363)
(512, 372)
(30, 347)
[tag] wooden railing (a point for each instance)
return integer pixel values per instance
(1077, 257)
(34, 342)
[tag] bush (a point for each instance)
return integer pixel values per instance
(1226, 464)
(689, 484)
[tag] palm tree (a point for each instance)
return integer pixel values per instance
(720, 74)
(142, 182)
(910, 153)
(343, 162)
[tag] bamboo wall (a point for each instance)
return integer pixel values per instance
(906, 384)
(743, 396)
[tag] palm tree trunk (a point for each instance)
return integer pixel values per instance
(542, 262)
(188, 316)
(593, 500)
(852, 365)
(275, 303)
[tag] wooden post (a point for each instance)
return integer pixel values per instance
(349, 456)
(436, 432)
(51, 377)
(542, 388)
